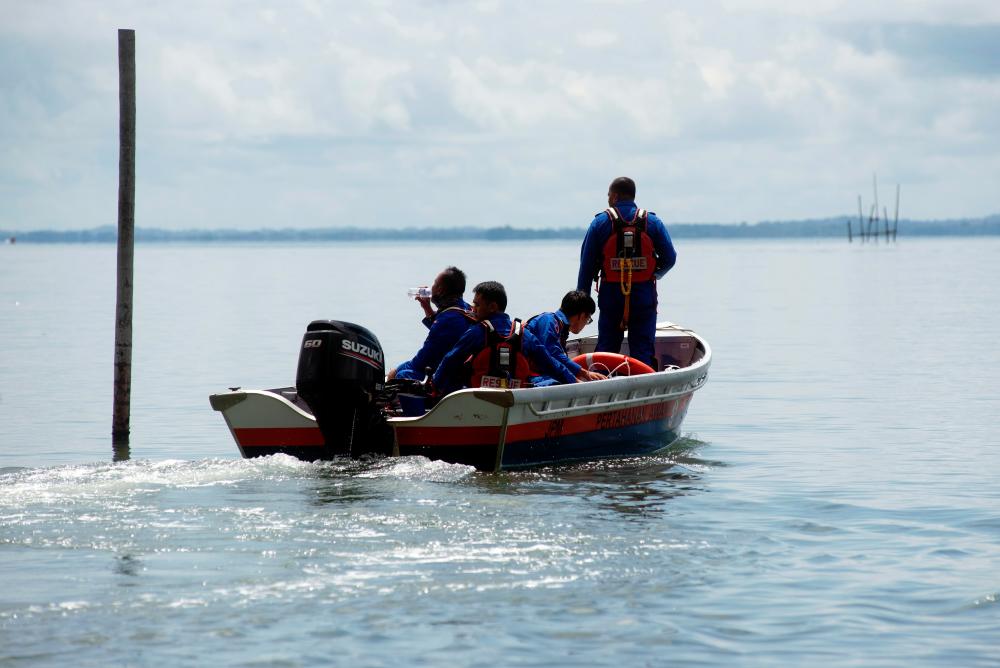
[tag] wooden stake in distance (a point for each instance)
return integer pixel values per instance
(126, 238)
(861, 221)
(895, 223)
(872, 219)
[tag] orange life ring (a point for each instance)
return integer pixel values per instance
(617, 365)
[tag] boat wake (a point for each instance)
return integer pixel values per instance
(78, 482)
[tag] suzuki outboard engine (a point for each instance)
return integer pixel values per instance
(341, 369)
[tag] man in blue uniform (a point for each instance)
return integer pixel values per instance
(446, 324)
(553, 329)
(630, 249)
(489, 304)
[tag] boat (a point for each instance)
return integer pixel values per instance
(341, 405)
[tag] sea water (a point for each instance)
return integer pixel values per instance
(835, 497)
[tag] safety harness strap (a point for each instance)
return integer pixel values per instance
(628, 243)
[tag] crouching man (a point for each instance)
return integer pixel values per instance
(496, 352)
(553, 329)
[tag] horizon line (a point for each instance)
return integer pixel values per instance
(837, 219)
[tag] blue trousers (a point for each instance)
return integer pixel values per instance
(406, 372)
(641, 323)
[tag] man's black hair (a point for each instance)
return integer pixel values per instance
(492, 291)
(453, 282)
(576, 302)
(624, 187)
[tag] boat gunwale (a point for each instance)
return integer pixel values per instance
(686, 379)
(219, 401)
(690, 379)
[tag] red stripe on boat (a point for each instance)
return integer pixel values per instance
(625, 417)
(531, 431)
(277, 436)
(447, 435)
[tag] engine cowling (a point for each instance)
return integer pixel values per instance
(341, 369)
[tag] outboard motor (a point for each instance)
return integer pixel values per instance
(341, 368)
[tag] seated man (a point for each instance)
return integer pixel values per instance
(497, 352)
(553, 329)
(446, 325)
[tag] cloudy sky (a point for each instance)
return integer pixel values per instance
(305, 113)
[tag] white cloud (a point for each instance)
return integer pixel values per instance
(597, 39)
(719, 74)
(254, 115)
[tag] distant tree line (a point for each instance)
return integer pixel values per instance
(827, 227)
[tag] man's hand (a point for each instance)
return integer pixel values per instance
(584, 376)
(425, 303)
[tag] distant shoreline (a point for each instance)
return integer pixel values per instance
(799, 229)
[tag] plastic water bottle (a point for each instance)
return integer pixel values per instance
(422, 293)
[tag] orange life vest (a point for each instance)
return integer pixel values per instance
(500, 363)
(628, 253)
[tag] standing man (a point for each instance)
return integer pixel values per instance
(553, 329)
(446, 325)
(630, 249)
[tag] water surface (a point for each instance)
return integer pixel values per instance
(834, 498)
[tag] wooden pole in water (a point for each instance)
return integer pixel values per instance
(126, 237)
(875, 205)
(875, 190)
(861, 222)
(871, 219)
(895, 223)
(849, 238)
(885, 217)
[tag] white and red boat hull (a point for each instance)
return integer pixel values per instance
(503, 429)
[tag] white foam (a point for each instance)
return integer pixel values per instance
(418, 468)
(139, 476)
